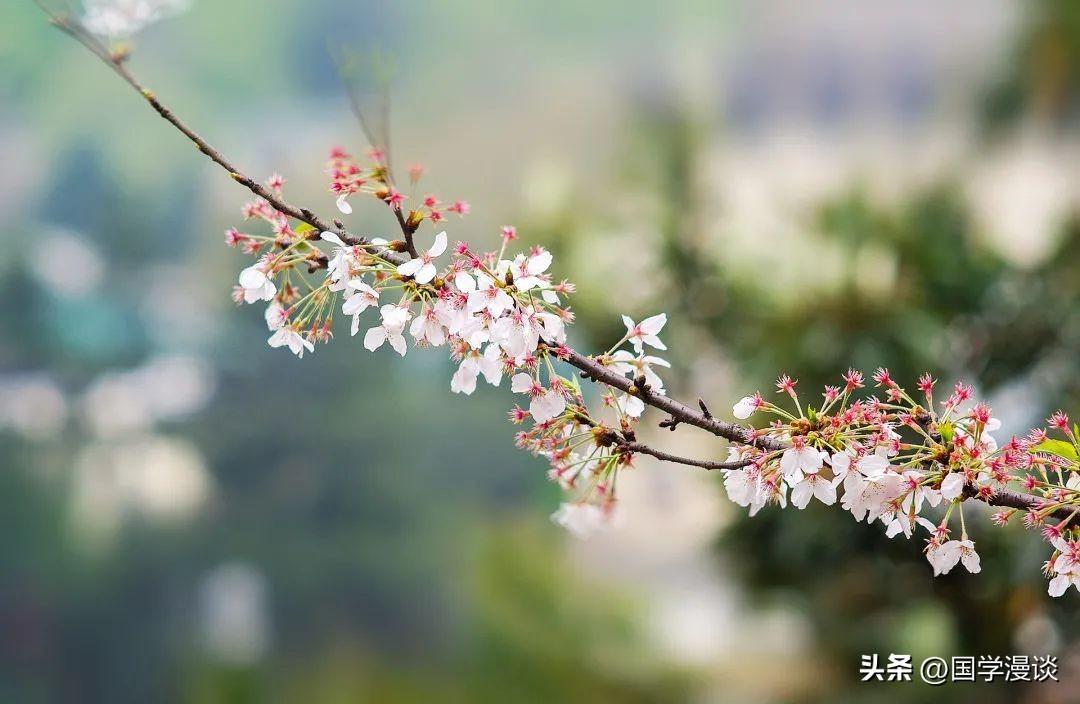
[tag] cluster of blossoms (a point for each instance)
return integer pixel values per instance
(497, 315)
(894, 459)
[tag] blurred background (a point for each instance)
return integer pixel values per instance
(190, 516)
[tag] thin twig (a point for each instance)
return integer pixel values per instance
(668, 457)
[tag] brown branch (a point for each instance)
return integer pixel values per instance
(643, 449)
(1024, 502)
(406, 229)
(678, 411)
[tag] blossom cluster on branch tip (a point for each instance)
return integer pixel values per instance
(498, 315)
(894, 457)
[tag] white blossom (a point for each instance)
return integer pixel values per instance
(546, 403)
(631, 405)
(645, 332)
(624, 362)
(343, 203)
(800, 459)
(489, 364)
(361, 298)
(552, 328)
(394, 318)
(427, 328)
(488, 295)
(813, 485)
(517, 333)
(1061, 583)
(256, 284)
(871, 496)
(741, 486)
(904, 522)
(275, 316)
(422, 268)
(527, 269)
(944, 557)
(339, 266)
(292, 339)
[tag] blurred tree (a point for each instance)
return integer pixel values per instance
(957, 309)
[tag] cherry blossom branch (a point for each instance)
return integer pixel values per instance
(506, 316)
(680, 412)
(589, 367)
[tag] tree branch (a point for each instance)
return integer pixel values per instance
(668, 457)
(589, 367)
(679, 411)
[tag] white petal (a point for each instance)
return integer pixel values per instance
(654, 324)
(463, 381)
(800, 495)
(252, 277)
(744, 408)
(521, 383)
(440, 244)
(343, 204)
(789, 462)
(464, 282)
(397, 342)
(953, 486)
(825, 492)
(374, 338)
(970, 559)
(634, 406)
(410, 267)
(332, 237)
(427, 273)
(539, 263)
(654, 341)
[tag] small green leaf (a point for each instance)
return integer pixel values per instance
(1057, 447)
(303, 228)
(946, 431)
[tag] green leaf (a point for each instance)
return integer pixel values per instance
(946, 431)
(303, 228)
(1059, 448)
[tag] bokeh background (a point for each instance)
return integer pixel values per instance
(190, 516)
